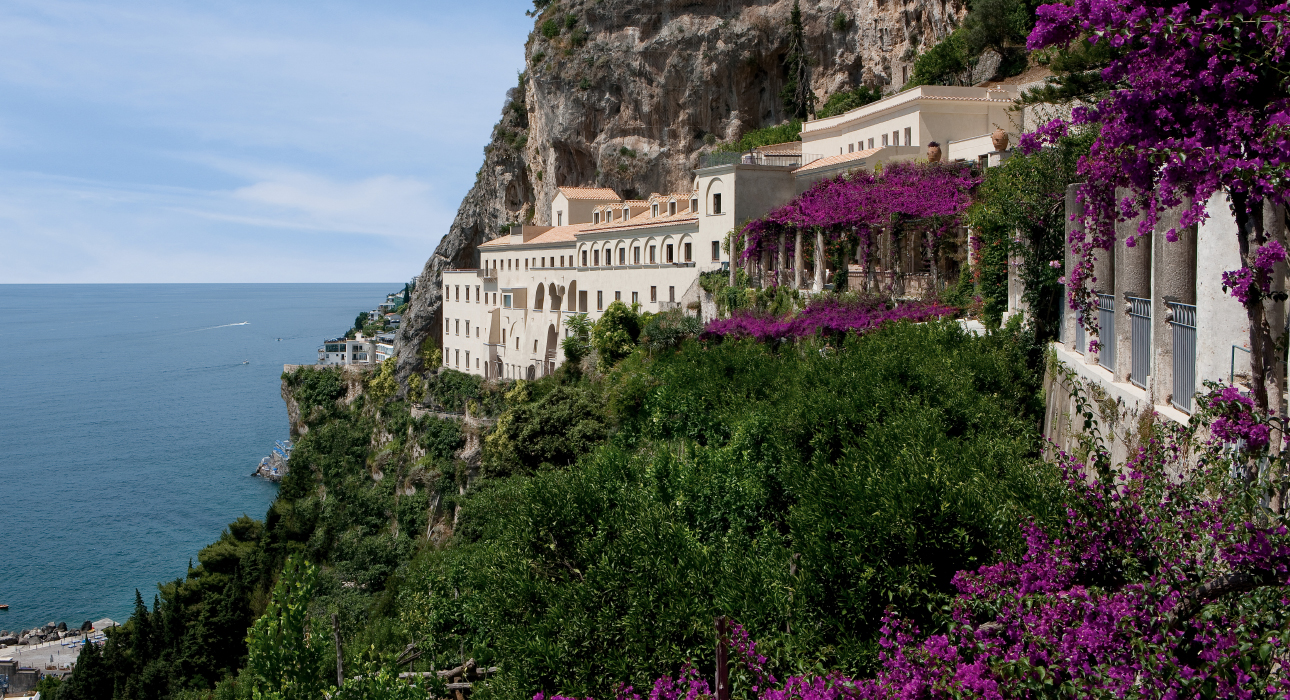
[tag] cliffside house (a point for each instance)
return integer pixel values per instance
(340, 351)
(384, 346)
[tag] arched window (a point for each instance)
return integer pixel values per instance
(539, 297)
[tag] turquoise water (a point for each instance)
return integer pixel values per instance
(129, 425)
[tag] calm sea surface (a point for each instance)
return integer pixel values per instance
(129, 425)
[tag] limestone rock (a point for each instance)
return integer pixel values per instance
(627, 94)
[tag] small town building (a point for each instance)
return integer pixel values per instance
(344, 351)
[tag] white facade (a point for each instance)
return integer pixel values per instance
(960, 119)
(339, 351)
(506, 319)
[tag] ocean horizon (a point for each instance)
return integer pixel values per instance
(133, 416)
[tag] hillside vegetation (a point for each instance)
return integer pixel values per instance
(802, 488)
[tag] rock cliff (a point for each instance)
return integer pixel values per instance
(628, 93)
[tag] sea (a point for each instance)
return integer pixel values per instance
(131, 418)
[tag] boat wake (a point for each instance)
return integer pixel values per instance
(226, 325)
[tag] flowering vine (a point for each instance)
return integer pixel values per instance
(1199, 107)
(852, 209)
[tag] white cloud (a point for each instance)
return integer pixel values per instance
(180, 141)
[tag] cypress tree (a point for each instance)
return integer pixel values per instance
(798, 99)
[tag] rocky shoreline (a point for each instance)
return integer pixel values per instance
(274, 467)
(51, 632)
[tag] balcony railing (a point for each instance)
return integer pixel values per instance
(1106, 331)
(1183, 321)
(1140, 329)
(488, 273)
(795, 160)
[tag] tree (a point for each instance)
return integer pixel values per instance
(942, 64)
(996, 24)
(1165, 578)
(1198, 107)
(287, 658)
(578, 343)
(92, 679)
(614, 335)
(360, 321)
(798, 99)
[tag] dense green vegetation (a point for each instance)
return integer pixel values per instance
(998, 25)
(783, 133)
(1020, 210)
(803, 489)
(848, 100)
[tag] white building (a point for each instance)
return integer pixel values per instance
(507, 317)
(340, 351)
(1166, 325)
(384, 346)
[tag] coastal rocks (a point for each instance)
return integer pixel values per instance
(274, 467)
(50, 632)
(8, 640)
(629, 94)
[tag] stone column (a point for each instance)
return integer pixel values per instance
(818, 285)
(1103, 282)
(797, 261)
(1069, 320)
(1173, 279)
(1274, 227)
(764, 259)
(732, 262)
(779, 267)
(1132, 278)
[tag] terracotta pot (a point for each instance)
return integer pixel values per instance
(1000, 139)
(933, 152)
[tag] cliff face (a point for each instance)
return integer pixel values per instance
(627, 94)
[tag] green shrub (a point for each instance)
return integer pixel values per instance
(942, 64)
(577, 344)
(614, 335)
(848, 100)
(537, 57)
(792, 490)
(791, 131)
(667, 329)
(550, 29)
(840, 22)
(315, 386)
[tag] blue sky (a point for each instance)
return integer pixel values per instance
(232, 141)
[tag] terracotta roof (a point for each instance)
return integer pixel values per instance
(642, 220)
(559, 234)
(836, 160)
(785, 147)
(589, 193)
